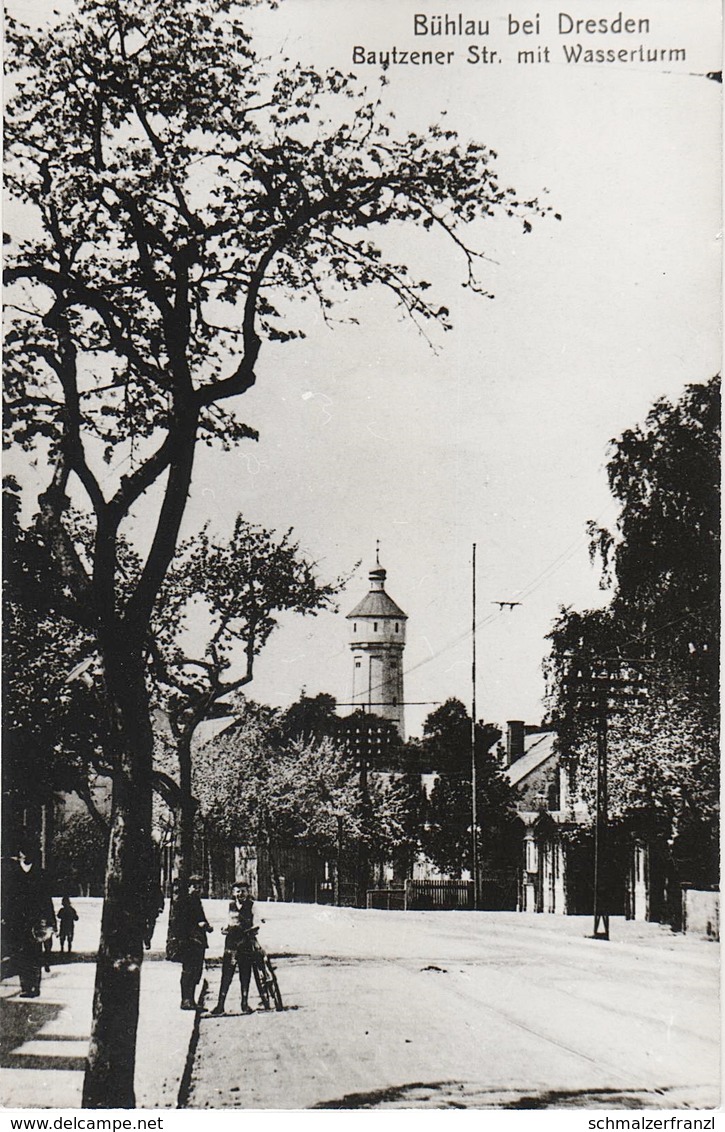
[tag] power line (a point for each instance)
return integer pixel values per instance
(525, 591)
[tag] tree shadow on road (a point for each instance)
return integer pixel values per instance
(466, 1094)
(410, 1095)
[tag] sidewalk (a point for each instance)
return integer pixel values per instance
(44, 1041)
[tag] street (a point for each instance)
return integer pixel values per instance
(457, 1009)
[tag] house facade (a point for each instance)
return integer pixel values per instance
(553, 874)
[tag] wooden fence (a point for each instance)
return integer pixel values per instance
(438, 895)
(389, 899)
(423, 895)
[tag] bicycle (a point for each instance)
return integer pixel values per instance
(265, 976)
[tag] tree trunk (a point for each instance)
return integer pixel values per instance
(183, 839)
(109, 1077)
(184, 833)
(277, 888)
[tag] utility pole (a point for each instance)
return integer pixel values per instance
(601, 916)
(474, 801)
(596, 680)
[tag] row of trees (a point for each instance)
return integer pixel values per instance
(286, 777)
(54, 718)
(661, 562)
(174, 194)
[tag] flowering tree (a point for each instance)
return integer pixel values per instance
(255, 785)
(174, 194)
(238, 587)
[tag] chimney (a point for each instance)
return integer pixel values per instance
(514, 740)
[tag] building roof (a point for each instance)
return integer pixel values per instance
(378, 604)
(539, 749)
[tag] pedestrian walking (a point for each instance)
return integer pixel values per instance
(238, 946)
(67, 918)
(192, 928)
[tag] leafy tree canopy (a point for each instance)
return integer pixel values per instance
(312, 718)
(256, 785)
(53, 724)
(663, 557)
(175, 193)
(446, 744)
(446, 749)
(237, 589)
(660, 629)
(183, 188)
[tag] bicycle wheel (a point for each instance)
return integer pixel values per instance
(260, 978)
(273, 986)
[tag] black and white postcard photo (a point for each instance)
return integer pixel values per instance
(361, 562)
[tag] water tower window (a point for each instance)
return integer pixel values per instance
(375, 626)
(397, 627)
(354, 626)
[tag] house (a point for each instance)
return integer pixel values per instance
(555, 874)
(557, 869)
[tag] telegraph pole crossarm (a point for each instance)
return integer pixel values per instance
(598, 679)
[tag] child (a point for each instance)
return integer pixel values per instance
(67, 917)
(238, 947)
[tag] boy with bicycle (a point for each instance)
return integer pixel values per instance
(238, 948)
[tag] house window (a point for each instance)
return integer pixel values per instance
(357, 663)
(532, 862)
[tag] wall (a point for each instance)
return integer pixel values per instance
(544, 780)
(701, 912)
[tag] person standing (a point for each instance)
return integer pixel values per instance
(153, 906)
(192, 928)
(238, 946)
(67, 917)
(32, 921)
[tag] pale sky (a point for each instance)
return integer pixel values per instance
(500, 436)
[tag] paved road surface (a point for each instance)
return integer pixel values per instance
(390, 1009)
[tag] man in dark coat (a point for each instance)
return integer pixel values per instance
(31, 920)
(191, 928)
